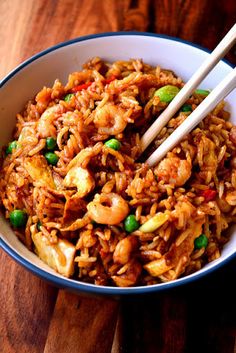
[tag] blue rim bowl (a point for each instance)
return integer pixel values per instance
(127, 43)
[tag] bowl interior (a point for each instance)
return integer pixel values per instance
(23, 83)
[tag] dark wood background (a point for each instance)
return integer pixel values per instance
(36, 317)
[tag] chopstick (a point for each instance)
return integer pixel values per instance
(219, 52)
(219, 93)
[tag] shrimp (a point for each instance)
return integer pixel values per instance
(124, 248)
(109, 120)
(112, 214)
(174, 170)
(45, 124)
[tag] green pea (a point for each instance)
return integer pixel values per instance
(51, 158)
(39, 225)
(167, 93)
(51, 143)
(131, 224)
(201, 242)
(12, 146)
(202, 92)
(186, 108)
(68, 97)
(18, 218)
(114, 144)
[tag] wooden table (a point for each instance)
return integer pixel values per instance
(38, 318)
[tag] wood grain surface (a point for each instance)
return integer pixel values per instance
(37, 318)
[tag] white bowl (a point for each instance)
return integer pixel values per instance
(57, 62)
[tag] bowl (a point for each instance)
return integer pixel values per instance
(57, 62)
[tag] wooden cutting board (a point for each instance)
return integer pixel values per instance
(38, 318)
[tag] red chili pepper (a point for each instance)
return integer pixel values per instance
(110, 79)
(102, 253)
(80, 87)
(209, 194)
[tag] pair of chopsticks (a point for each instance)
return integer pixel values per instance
(208, 104)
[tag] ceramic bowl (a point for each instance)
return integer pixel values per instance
(57, 62)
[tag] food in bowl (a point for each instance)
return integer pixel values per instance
(78, 193)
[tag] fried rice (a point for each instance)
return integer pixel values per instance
(95, 211)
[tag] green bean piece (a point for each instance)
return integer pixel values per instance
(202, 92)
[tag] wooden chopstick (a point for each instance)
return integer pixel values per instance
(219, 52)
(219, 93)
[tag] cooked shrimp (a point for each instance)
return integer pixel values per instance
(174, 170)
(124, 248)
(112, 214)
(45, 124)
(110, 119)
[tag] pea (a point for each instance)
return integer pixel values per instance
(51, 158)
(68, 97)
(51, 143)
(114, 144)
(202, 92)
(18, 218)
(186, 108)
(201, 242)
(12, 146)
(39, 225)
(167, 93)
(131, 224)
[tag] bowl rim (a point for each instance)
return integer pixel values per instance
(100, 35)
(83, 286)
